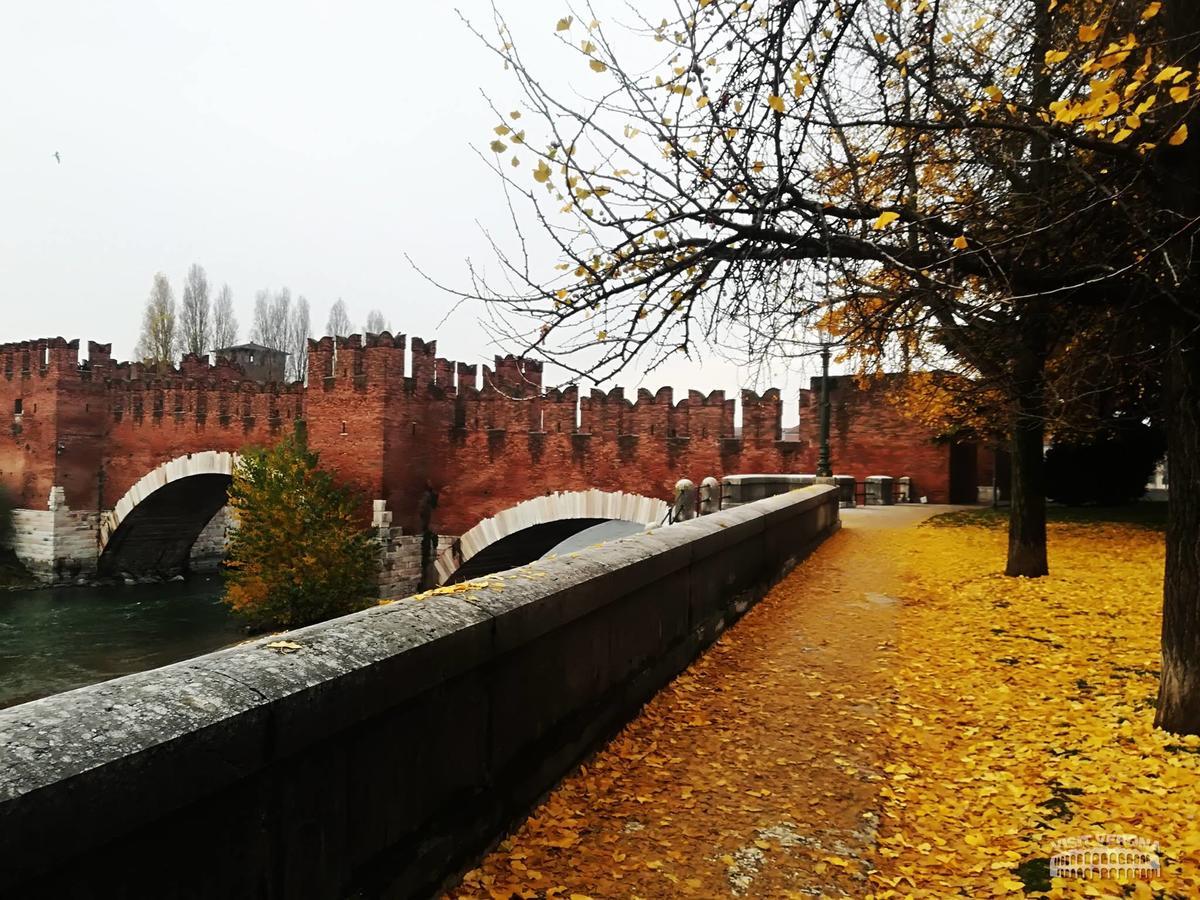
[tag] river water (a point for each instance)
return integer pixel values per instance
(56, 639)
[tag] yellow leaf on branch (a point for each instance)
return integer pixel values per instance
(885, 219)
(1180, 135)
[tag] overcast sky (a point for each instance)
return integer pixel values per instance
(276, 143)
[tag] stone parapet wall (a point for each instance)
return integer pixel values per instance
(375, 754)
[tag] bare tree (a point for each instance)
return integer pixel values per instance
(272, 318)
(280, 325)
(157, 343)
(339, 324)
(195, 313)
(225, 326)
(299, 330)
(376, 323)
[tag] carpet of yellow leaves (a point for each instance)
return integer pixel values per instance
(1023, 714)
(752, 774)
(841, 743)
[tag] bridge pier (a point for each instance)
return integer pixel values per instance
(400, 563)
(209, 550)
(56, 544)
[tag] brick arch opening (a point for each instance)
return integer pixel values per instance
(524, 532)
(152, 528)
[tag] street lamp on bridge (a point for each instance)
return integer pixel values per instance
(824, 466)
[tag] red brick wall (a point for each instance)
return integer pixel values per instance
(31, 371)
(395, 421)
(160, 418)
(869, 435)
(116, 419)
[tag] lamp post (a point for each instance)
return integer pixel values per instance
(824, 468)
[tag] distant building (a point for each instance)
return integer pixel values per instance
(258, 362)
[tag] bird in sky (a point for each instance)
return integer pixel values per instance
(57, 157)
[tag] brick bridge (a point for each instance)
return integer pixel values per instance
(116, 468)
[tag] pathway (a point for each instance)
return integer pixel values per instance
(756, 772)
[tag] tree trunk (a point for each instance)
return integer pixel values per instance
(1179, 687)
(1027, 512)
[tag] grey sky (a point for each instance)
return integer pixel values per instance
(276, 143)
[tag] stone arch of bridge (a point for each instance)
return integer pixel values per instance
(152, 528)
(526, 531)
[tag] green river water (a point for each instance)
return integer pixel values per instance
(56, 639)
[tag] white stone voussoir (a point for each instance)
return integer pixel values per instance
(591, 504)
(206, 462)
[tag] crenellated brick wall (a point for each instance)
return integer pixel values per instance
(444, 444)
(94, 427)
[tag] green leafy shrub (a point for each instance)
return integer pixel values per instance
(299, 553)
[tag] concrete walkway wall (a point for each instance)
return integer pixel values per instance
(372, 755)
